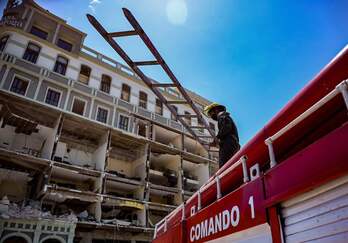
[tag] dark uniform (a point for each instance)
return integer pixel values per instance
(228, 137)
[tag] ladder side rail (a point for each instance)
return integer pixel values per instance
(166, 68)
(135, 68)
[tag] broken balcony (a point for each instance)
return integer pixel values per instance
(123, 212)
(193, 147)
(14, 185)
(163, 173)
(158, 212)
(27, 131)
(167, 196)
(124, 190)
(194, 175)
(82, 143)
(166, 137)
(126, 159)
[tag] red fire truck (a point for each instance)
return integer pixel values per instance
(289, 183)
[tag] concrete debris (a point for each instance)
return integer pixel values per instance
(83, 216)
(116, 221)
(32, 211)
(68, 217)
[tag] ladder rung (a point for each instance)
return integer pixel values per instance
(122, 33)
(171, 102)
(145, 63)
(163, 85)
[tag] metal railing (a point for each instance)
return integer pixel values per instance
(341, 88)
(241, 162)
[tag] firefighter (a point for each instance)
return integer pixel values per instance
(227, 134)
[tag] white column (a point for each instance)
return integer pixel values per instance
(38, 88)
(91, 110)
(2, 81)
(67, 99)
(28, 21)
(54, 39)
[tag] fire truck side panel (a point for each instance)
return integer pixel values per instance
(257, 234)
(318, 163)
(320, 215)
(237, 211)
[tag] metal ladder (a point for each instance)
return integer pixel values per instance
(155, 87)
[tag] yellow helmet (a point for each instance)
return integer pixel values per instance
(208, 108)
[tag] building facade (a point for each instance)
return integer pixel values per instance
(87, 152)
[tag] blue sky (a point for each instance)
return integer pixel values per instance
(252, 56)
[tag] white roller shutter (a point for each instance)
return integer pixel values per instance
(320, 215)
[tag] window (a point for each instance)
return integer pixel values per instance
(123, 122)
(3, 42)
(19, 86)
(143, 99)
(52, 97)
(31, 53)
(105, 83)
(142, 129)
(78, 107)
(159, 107)
(188, 117)
(172, 115)
(61, 65)
(64, 45)
(39, 32)
(102, 115)
(85, 73)
(125, 93)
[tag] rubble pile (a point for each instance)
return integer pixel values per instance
(31, 211)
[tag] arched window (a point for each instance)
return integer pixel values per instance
(51, 241)
(125, 94)
(31, 53)
(105, 83)
(85, 73)
(61, 65)
(15, 239)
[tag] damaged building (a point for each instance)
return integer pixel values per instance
(87, 151)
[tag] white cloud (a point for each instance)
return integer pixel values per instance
(94, 2)
(92, 8)
(92, 5)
